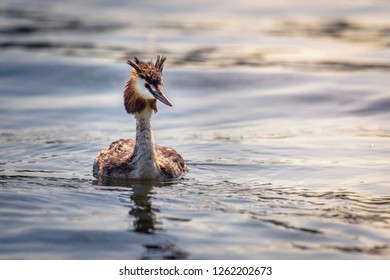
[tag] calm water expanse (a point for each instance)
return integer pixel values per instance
(281, 110)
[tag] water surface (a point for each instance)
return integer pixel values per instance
(281, 112)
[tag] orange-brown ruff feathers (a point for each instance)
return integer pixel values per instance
(141, 159)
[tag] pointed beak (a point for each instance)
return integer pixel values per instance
(159, 95)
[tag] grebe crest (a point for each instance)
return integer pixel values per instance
(141, 159)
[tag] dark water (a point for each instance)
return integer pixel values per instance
(281, 112)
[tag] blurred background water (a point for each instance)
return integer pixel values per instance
(281, 111)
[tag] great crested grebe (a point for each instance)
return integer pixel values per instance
(141, 159)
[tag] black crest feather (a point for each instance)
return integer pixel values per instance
(138, 64)
(160, 62)
(134, 64)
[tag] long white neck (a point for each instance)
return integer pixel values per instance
(144, 154)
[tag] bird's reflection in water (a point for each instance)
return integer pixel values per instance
(138, 196)
(144, 216)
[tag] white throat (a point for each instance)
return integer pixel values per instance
(145, 93)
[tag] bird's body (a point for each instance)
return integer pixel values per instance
(141, 159)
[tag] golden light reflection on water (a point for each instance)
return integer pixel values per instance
(327, 35)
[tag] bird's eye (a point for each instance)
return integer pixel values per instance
(147, 85)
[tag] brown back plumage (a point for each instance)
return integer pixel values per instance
(114, 161)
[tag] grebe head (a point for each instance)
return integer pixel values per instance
(147, 79)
